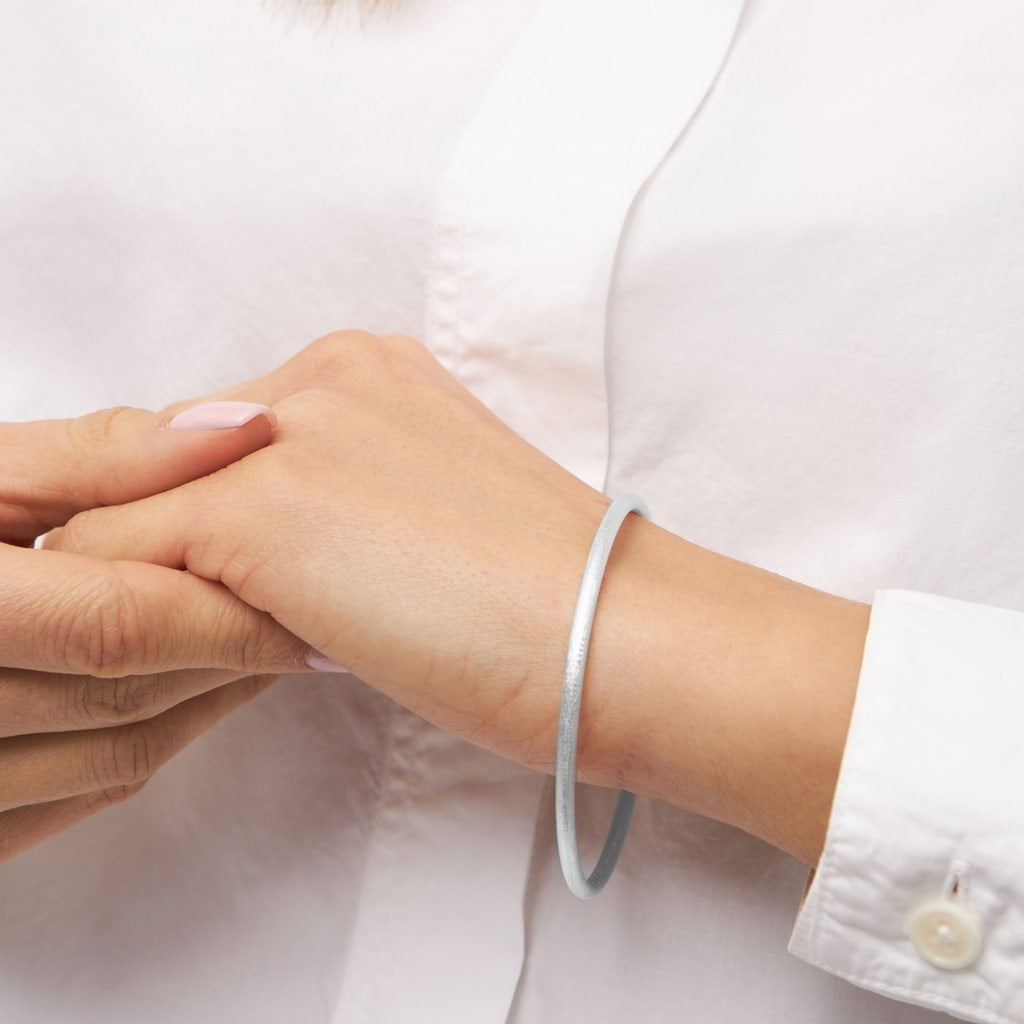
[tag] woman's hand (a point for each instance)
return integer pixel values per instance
(108, 669)
(399, 527)
(396, 525)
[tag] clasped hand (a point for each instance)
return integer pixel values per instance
(393, 524)
(397, 527)
(109, 668)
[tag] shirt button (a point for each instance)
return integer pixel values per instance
(945, 933)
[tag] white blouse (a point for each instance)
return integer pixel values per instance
(760, 262)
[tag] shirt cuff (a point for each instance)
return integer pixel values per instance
(919, 893)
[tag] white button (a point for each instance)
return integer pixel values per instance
(945, 933)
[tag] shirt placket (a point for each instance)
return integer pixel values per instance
(589, 100)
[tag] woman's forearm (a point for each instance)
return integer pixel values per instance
(720, 687)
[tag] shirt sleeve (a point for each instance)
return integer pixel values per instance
(919, 892)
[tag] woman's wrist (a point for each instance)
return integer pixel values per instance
(720, 687)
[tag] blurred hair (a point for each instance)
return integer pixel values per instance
(324, 11)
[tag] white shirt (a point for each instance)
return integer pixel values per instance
(761, 266)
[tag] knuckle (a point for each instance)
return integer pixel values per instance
(94, 432)
(131, 754)
(96, 702)
(112, 795)
(105, 637)
(231, 634)
(340, 354)
(407, 346)
(261, 645)
(89, 437)
(74, 535)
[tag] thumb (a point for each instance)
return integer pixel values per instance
(52, 469)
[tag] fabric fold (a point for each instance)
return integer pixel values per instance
(529, 215)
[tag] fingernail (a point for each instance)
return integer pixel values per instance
(219, 416)
(321, 663)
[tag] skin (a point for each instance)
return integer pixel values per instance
(396, 525)
(110, 668)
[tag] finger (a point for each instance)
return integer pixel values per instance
(41, 702)
(51, 469)
(25, 827)
(72, 614)
(52, 782)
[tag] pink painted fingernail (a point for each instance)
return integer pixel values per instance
(320, 662)
(219, 416)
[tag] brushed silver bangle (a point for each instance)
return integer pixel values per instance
(579, 882)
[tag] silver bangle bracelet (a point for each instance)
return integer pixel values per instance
(579, 883)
